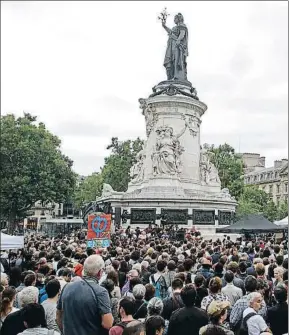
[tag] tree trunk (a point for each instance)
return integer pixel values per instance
(12, 222)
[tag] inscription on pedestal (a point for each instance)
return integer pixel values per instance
(176, 216)
(202, 217)
(143, 216)
(225, 218)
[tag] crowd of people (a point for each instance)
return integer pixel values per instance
(145, 283)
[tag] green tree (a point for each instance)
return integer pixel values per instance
(88, 190)
(117, 165)
(282, 211)
(271, 211)
(252, 201)
(32, 167)
(230, 167)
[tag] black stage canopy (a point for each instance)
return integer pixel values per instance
(252, 224)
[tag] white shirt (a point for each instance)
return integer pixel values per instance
(256, 323)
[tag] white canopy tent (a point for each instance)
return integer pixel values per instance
(11, 242)
(283, 222)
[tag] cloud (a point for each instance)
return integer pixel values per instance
(82, 70)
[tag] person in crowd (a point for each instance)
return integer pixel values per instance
(13, 324)
(80, 302)
(277, 316)
(140, 310)
(132, 274)
(7, 302)
(236, 314)
(158, 280)
(189, 319)
(34, 319)
(215, 287)
(108, 284)
(134, 328)
(154, 325)
(126, 311)
(206, 268)
(278, 276)
(173, 302)
(53, 290)
(233, 292)
(253, 322)
(217, 312)
(112, 275)
(145, 274)
(201, 290)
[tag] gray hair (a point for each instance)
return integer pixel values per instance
(28, 295)
(92, 265)
(253, 296)
(139, 291)
(145, 264)
(155, 306)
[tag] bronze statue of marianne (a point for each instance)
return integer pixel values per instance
(177, 49)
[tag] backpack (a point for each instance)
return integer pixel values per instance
(160, 289)
(244, 327)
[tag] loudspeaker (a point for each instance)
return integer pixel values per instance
(117, 215)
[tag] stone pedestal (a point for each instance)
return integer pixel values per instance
(173, 177)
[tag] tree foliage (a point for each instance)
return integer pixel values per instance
(88, 190)
(117, 165)
(32, 166)
(230, 167)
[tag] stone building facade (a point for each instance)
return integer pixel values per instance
(273, 180)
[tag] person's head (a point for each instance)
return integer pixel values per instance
(279, 260)
(199, 280)
(243, 267)
(7, 300)
(233, 266)
(229, 277)
(278, 273)
(154, 325)
(52, 288)
(217, 311)
(132, 274)
(177, 285)
(144, 265)
(285, 264)
(33, 316)
(28, 295)
(255, 300)
(280, 294)
(108, 284)
(67, 274)
(93, 266)
(219, 267)
(4, 280)
(260, 269)
(150, 292)
(139, 291)
(250, 284)
(188, 295)
(171, 265)
(113, 276)
(155, 306)
(134, 328)
(161, 266)
(30, 280)
(126, 307)
(215, 285)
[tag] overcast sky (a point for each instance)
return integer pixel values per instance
(82, 66)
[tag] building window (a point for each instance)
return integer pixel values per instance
(286, 188)
(261, 177)
(278, 189)
(276, 175)
(255, 178)
(270, 189)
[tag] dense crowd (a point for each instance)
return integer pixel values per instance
(145, 283)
